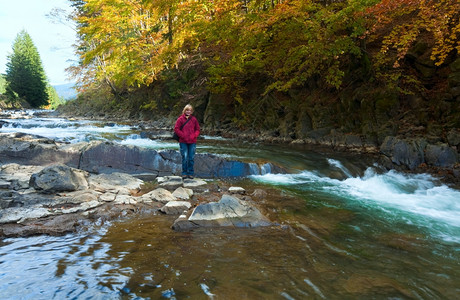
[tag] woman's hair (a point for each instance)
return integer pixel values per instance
(188, 106)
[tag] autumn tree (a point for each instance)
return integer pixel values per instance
(398, 25)
(126, 43)
(288, 42)
(278, 45)
(24, 72)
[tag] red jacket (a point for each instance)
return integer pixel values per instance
(189, 132)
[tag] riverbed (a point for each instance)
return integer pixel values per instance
(346, 229)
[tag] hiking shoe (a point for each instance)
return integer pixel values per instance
(190, 177)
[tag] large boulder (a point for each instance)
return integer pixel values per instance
(229, 211)
(441, 155)
(409, 153)
(108, 157)
(59, 178)
(35, 150)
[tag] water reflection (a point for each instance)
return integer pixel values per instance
(319, 253)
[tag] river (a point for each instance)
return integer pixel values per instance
(347, 230)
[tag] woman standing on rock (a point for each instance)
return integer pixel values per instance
(188, 129)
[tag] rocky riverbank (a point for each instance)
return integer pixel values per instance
(104, 180)
(53, 188)
(408, 152)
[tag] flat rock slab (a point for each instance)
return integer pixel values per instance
(172, 183)
(20, 214)
(114, 182)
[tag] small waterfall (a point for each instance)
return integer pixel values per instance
(254, 169)
(340, 166)
(265, 169)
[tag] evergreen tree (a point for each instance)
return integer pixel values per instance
(25, 73)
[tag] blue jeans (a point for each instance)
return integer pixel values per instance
(187, 151)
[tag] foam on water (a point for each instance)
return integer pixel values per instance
(64, 130)
(418, 194)
(339, 165)
(137, 140)
(419, 198)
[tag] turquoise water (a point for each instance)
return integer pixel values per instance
(347, 230)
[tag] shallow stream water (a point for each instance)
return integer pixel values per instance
(347, 230)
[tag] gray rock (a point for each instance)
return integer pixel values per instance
(183, 193)
(17, 175)
(441, 155)
(4, 184)
(183, 224)
(107, 157)
(54, 226)
(33, 150)
(125, 199)
(229, 211)
(164, 179)
(78, 197)
(237, 190)
(59, 178)
(194, 183)
(353, 141)
(176, 207)
(18, 215)
(453, 137)
(107, 197)
(409, 153)
(170, 182)
(118, 183)
(160, 194)
(82, 207)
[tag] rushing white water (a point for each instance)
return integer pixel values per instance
(64, 130)
(137, 140)
(340, 166)
(420, 197)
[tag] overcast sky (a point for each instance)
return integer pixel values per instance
(53, 41)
